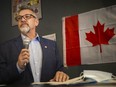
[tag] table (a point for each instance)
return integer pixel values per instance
(75, 85)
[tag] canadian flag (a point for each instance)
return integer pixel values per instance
(89, 38)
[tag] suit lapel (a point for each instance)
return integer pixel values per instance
(43, 50)
(19, 43)
(44, 54)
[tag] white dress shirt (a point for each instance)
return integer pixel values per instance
(35, 58)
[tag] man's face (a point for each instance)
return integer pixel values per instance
(27, 21)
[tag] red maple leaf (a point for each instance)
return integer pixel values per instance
(100, 36)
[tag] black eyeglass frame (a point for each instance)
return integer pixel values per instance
(26, 17)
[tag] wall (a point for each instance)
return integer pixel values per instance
(51, 22)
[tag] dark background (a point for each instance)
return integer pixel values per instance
(51, 22)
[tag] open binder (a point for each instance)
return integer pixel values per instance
(86, 77)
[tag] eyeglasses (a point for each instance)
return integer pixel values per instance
(26, 17)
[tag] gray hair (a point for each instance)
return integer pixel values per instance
(25, 7)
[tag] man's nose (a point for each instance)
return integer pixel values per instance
(23, 18)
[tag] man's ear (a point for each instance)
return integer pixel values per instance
(37, 22)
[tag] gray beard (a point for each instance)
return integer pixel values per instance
(24, 30)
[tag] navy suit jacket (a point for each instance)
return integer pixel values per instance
(9, 52)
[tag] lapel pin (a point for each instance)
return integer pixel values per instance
(46, 47)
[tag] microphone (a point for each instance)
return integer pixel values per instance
(26, 43)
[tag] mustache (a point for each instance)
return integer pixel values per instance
(24, 24)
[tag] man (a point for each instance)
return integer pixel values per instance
(40, 62)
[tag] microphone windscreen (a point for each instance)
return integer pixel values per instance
(26, 43)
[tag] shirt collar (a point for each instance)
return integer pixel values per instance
(36, 38)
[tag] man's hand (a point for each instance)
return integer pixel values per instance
(60, 77)
(23, 58)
